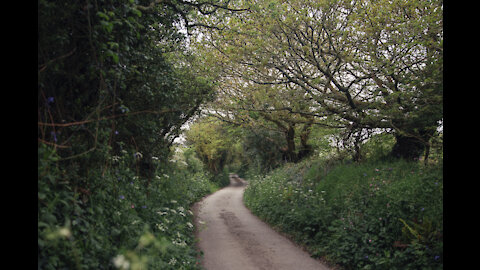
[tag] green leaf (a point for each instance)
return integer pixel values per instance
(137, 12)
(103, 15)
(114, 56)
(113, 45)
(107, 26)
(50, 218)
(42, 224)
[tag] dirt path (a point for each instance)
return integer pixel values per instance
(232, 238)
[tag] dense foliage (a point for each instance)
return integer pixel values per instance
(116, 82)
(373, 215)
(114, 78)
(122, 221)
(211, 143)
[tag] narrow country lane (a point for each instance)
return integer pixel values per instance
(232, 238)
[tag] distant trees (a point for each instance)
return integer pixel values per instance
(357, 65)
(210, 140)
(220, 145)
(269, 107)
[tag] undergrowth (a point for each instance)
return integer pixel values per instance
(122, 221)
(371, 215)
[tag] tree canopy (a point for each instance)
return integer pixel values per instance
(364, 64)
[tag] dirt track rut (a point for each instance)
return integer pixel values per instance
(232, 238)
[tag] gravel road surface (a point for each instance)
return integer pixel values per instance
(232, 238)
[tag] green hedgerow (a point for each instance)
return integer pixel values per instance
(371, 215)
(121, 220)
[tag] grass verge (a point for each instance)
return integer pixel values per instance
(371, 215)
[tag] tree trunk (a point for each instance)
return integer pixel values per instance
(305, 148)
(356, 155)
(413, 146)
(409, 148)
(427, 152)
(289, 152)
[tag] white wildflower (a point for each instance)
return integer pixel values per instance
(161, 227)
(138, 155)
(173, 201)
(65, 232)
(179, 242)
(166, 176)
(173, 261)
(181, 209)
(154, 158)
(190, 225)
(182, 244)
(120, 262)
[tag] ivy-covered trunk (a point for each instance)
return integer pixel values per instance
(305, 148)
(411, 147)
(407, 148)
(288, 152)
